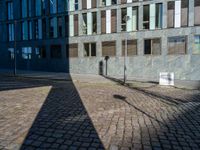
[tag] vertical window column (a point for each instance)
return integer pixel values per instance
(25, 30)
(84, 4)
(129, 19)
(170, 14)
(24, 8)
(76, 28)
(53, 27)
(11, 32)
(10, 10)
(30, 30)
(53, 6)
(89, 23)
(196, 12)
(108, 21)
(159, 16)
(84, 23)
(38, 29)
(113, 20)
(71, 25)
(103, 22)
(71, 5)
(108, 2)
(146, 17)
(38, 8)
(177, 17)
(152, 16)
(184, 13)
(89, 4)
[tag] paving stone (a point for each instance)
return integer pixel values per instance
(45, 114)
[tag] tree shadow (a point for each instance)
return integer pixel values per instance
(62, 122)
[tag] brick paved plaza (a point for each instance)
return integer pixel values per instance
(44, 114)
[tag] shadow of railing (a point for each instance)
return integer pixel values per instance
(62, 122)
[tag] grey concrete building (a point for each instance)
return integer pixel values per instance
(75, 36)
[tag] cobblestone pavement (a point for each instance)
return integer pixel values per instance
(39, 114)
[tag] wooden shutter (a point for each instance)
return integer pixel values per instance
(123, 1)
(196, 12)
(171, 46)
(113, 21)
(72, 50)
(170, 14)
(156, 47)
(76, 25)
(180, 46)
(177, 45)
(103, 22)
(131, 47)
(94, 3)
(109, 48)
(84, 4)
(184, 13)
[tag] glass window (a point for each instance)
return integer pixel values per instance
(94, 22)
(10, 10)
(25, 30)
(30, 30)
(11, 32)
(24, 8)
(184, 13)
(76, 4)
(146, 17)
(123, 19)
(40, 52)
(152, 46)
(43, 28)
(170, 14)
(56, 51)
(109, 48)
(29, 8)
(113, 21)
(159, 15)
(53, 28)
(11, 53)
(66, 4)
(38, 7)
(38, 29)
(84, 23)
(60, 6)
(59, 26)
(53, 6)
(90, 49)
(131, 47)
(26, 52)
(196, 49)
(72, 50)
(196, 12)
(176, 45)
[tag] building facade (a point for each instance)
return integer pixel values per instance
(75, 36)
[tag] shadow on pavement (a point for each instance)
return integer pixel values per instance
(62, 122)
(170, 127)
(157, 95)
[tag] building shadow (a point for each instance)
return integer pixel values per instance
(62, 122)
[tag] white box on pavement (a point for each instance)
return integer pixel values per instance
(166, 78)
